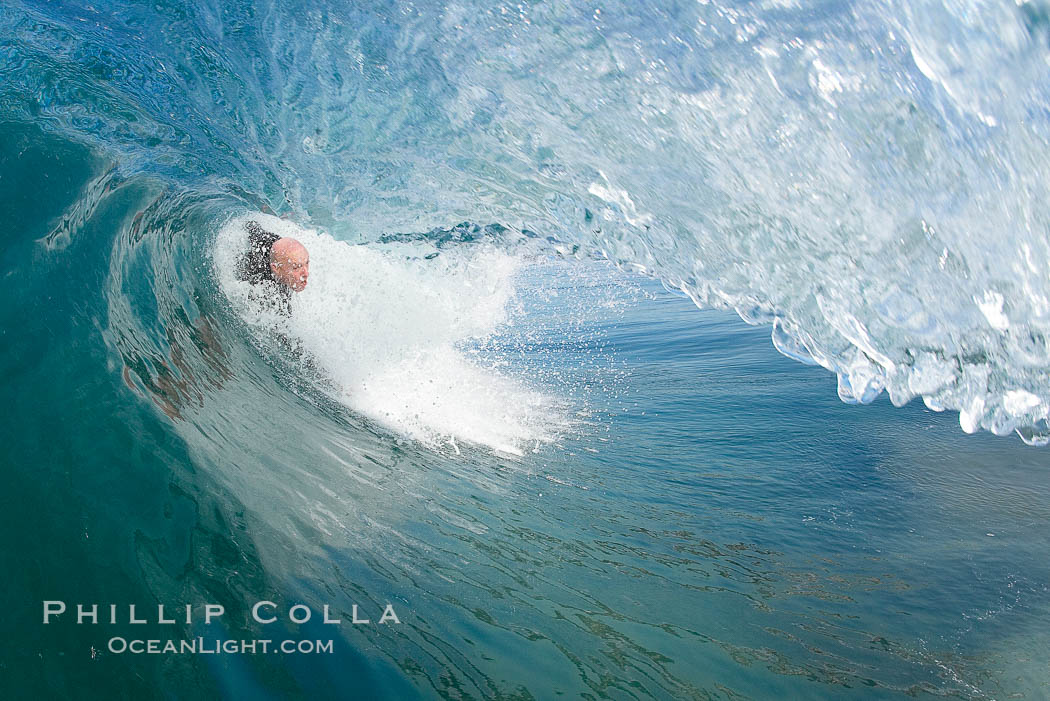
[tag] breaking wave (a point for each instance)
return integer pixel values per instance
(868, 178)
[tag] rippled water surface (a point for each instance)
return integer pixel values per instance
(496, 407)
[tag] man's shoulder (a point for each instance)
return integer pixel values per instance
(254, 263)
(259, 237)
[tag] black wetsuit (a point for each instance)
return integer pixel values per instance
(254, 267)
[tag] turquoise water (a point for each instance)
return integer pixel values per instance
(566, 479)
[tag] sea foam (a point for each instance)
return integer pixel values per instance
(392, 332)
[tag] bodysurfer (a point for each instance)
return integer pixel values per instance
(279, 265)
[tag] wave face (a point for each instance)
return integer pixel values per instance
(567, 480)
(869, 178)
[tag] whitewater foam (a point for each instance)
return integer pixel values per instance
(393, 329)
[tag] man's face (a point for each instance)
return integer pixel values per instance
(290, 264)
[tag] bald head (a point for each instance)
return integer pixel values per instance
(290, 263)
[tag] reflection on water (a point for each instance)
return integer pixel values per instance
(182, 381)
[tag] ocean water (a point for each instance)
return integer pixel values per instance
(650, 350)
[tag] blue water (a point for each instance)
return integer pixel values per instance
(497, 406)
